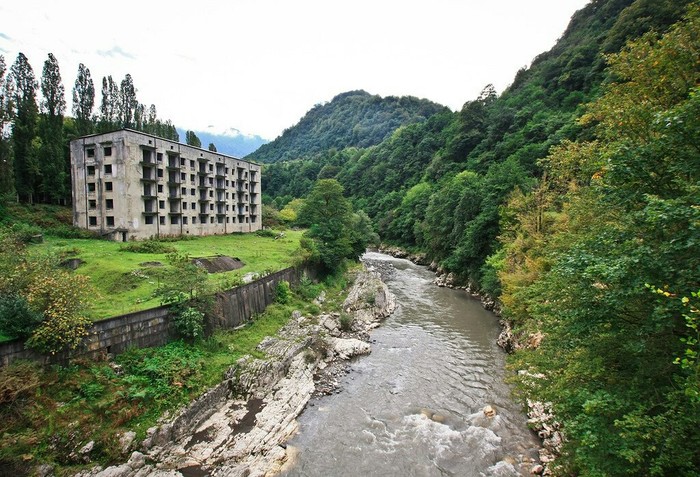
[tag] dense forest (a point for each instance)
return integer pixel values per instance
(574, 198)
(35, 131)
(355, 118)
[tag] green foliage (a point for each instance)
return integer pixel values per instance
(613, 214)
(148, 246)
(189, 322)
(283, 292)
(355, 118)
(345, 322)
(17, 319)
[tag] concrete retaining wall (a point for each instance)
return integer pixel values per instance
(153, 327)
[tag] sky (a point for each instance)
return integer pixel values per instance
(259, 65)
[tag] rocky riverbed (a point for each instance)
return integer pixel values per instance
(240, 427)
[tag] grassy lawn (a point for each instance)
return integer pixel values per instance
(124, 281)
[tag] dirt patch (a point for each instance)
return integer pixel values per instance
(218, 264)
(72, 263)
(150, 264)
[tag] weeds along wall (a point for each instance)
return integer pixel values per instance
(153, 327)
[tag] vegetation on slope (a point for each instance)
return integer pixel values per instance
(47, 414)
(574, 196)
(355, 118)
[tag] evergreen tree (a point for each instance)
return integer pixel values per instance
(212, 147)
(55, 180)
(83, 101)
(7, 185)
(24, 128)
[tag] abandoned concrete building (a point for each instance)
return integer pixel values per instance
(131, 185)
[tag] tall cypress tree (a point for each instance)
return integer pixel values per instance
(83, 101)
(24, 127)
(51, 160)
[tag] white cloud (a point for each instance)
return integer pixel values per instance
(259, 65)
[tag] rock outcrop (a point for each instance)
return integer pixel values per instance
(239, 427)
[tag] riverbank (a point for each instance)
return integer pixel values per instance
(240, 427)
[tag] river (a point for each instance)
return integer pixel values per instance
(414, 406)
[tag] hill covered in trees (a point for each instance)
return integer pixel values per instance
(572, 197)
(355, 118)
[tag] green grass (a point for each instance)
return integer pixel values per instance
(124, 285)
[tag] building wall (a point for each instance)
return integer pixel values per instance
(131, 185)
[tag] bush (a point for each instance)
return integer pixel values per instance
(189, 323)
(345, 322)
(283, 293)
(17, 319)
(148, 246)
(24, 233)
(266, 233)
(308, 290)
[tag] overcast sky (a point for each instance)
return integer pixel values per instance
(259, 65)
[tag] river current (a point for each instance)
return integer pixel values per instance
(414, 406)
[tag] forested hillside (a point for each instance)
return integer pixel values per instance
(355, 118)
(574, 197)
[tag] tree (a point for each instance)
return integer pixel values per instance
(212, 147)
(192, 140)
(127, 104)
(83, 100)
(109, 108)
(329, 216)
(26, 167)
(54, 170)
(7, 185)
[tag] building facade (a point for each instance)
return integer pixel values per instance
(131, 185)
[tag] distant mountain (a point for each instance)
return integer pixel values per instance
(229, 141)
(355, 118)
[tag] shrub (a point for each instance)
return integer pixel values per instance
(17, 319)
(283, 293)
(345, 322)
(266, 233)
(189, 323)
(148, 246)
(308, 290)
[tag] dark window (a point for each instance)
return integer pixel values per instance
(184, 206)
(109, 203)
(184, 221)
(183, 177)
(182, 161)
(92, 203)
(108, 186)
(184, 191)
(211, 206)
(211, 167)
(161, 220)
(174, 220)
(90, 152)
(194, 219)
(91, 187)
(110, 221)
(108, 168)
(149, 220)
(108, 150)
(160, 172)
(192, 192)
(93, 221)
(161, 204)
(91, 170)
(211, 220)
(192, 178)
(160, 187)
(160, 157)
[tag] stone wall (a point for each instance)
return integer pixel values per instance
(153, 327)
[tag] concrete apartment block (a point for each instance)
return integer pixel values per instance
(130, 185)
